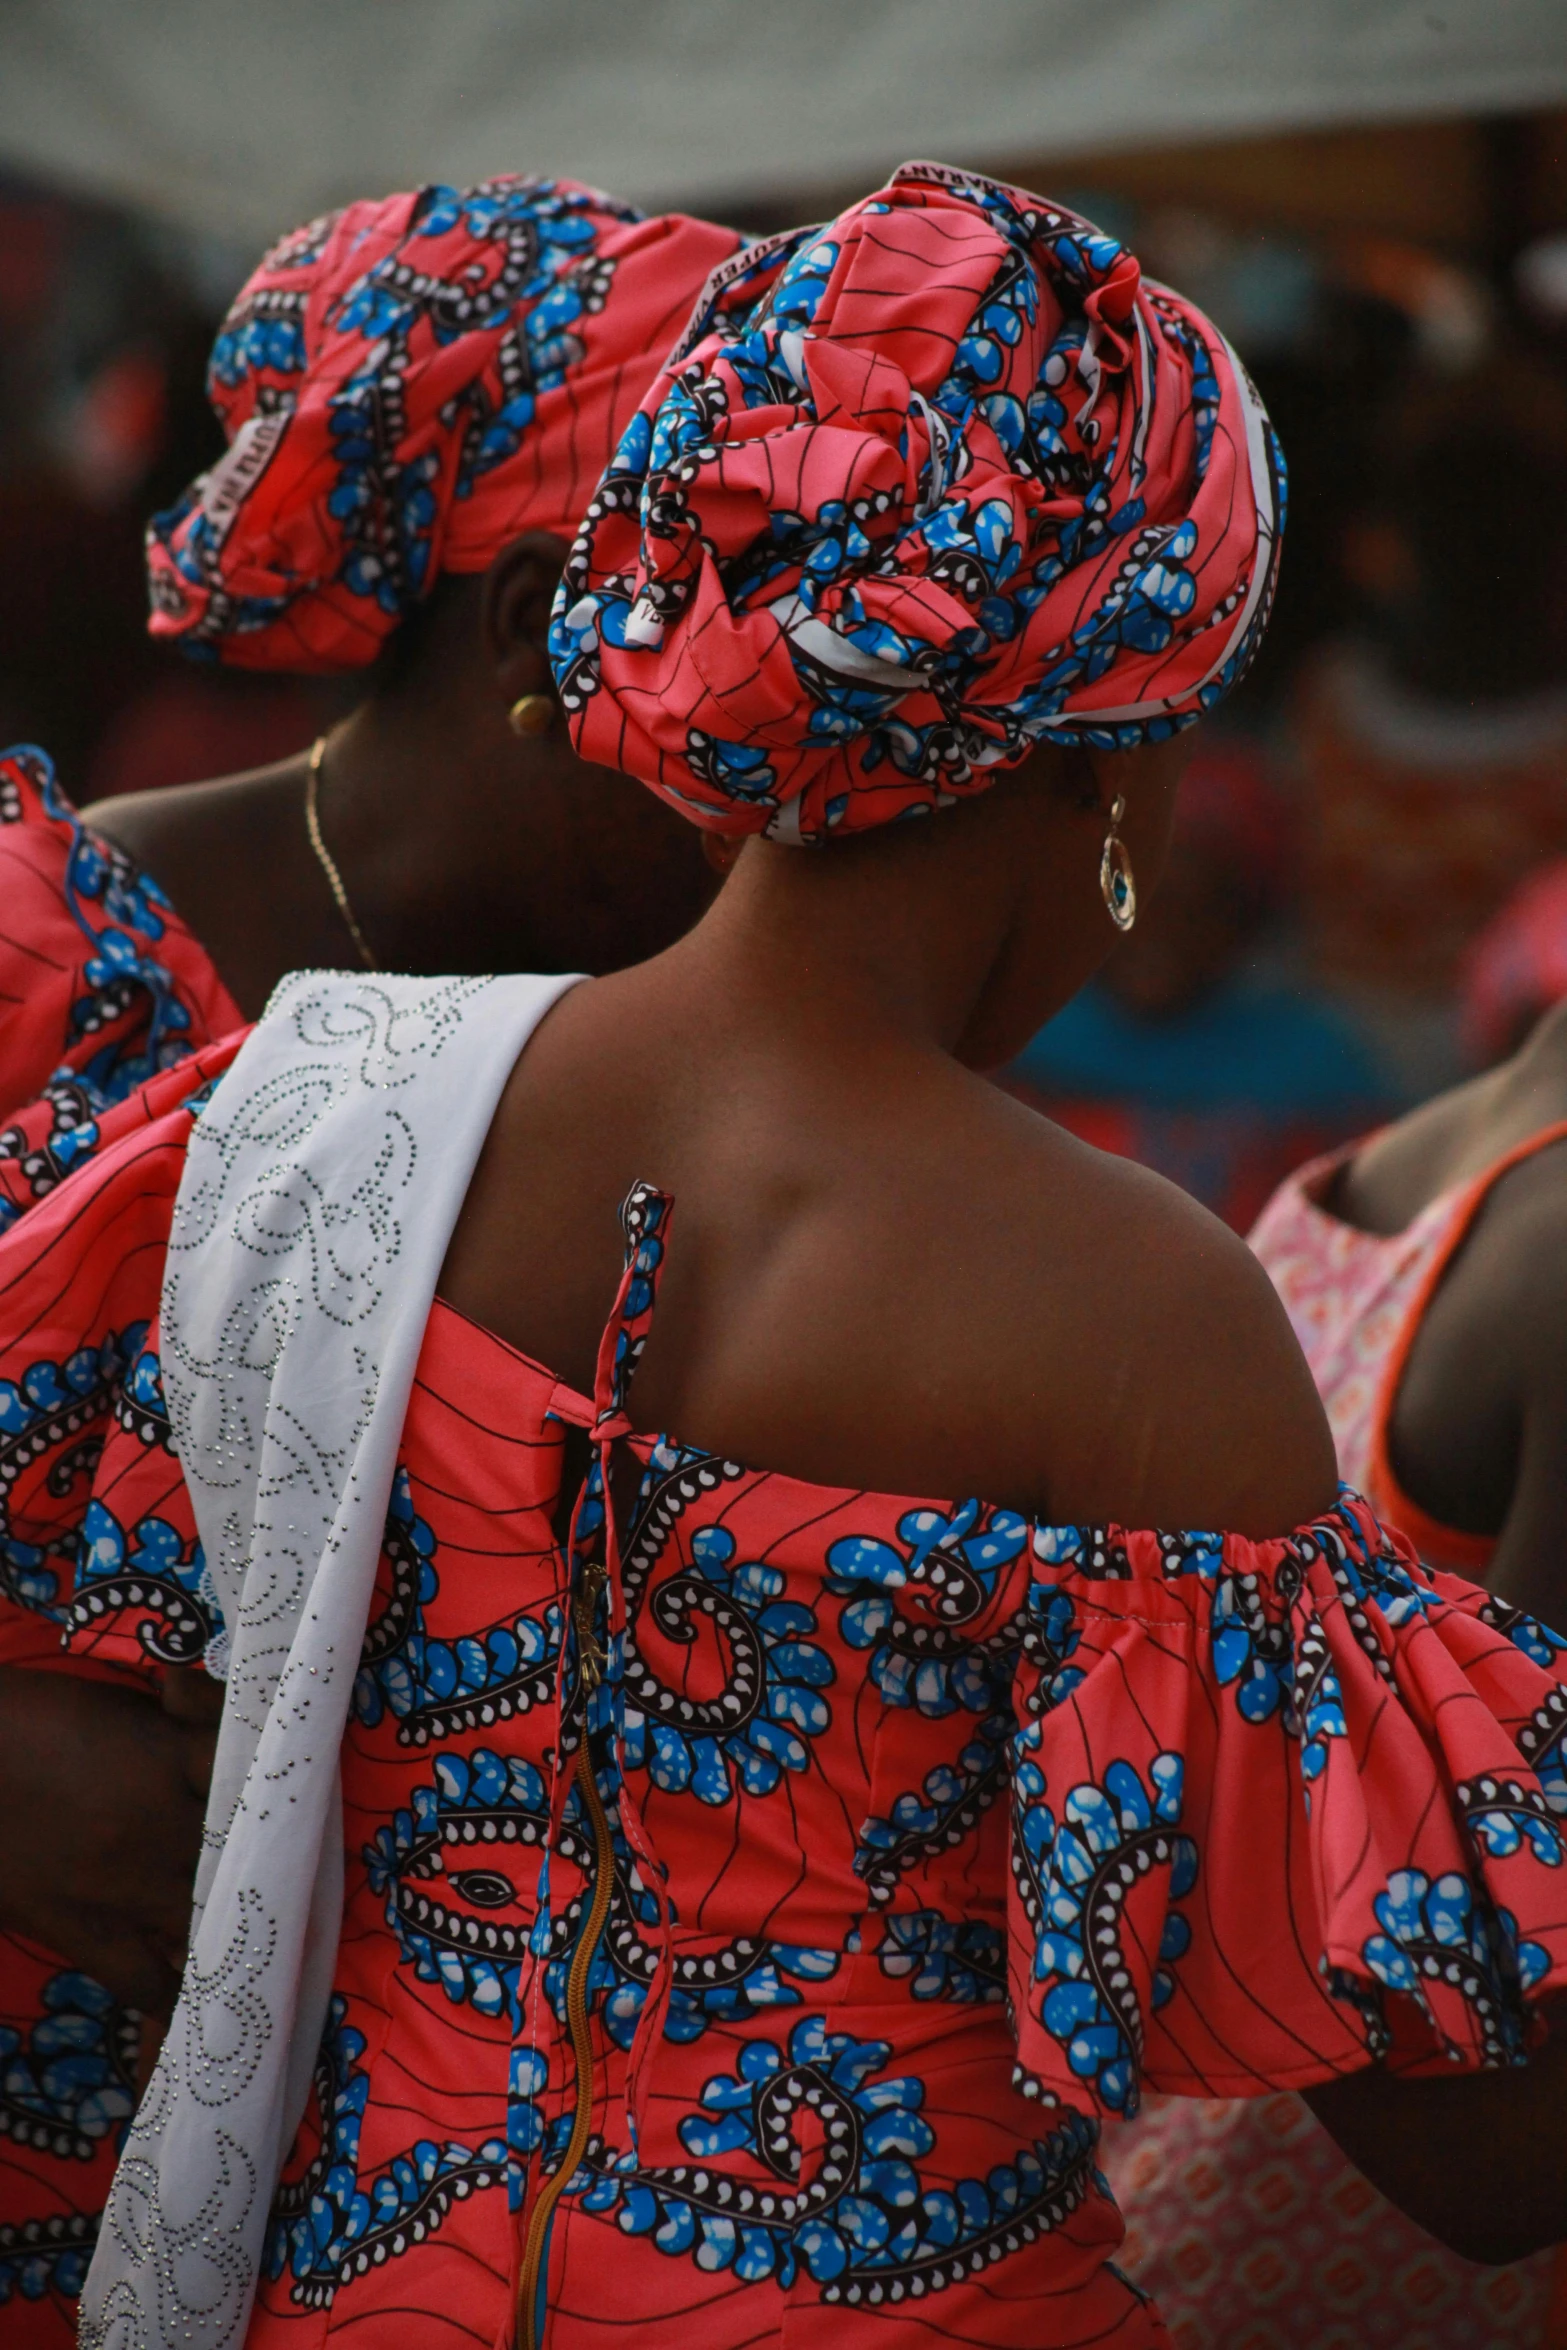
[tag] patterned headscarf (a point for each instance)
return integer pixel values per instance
(919, 490)
(405, 386)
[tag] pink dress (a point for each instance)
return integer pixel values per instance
(1246, 2223)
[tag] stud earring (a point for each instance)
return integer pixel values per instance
(1117, 883)
(531, 714)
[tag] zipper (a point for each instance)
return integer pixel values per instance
(535, 2253)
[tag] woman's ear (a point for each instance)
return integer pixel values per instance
(514, 612)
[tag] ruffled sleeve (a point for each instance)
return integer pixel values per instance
(101, 983)
(97, 1545)
(1278, 1808)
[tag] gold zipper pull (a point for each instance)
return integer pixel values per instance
(592, 1660)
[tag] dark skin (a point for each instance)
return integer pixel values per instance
(804, 1072)
(101, 1872)
(1478, 1432)
(464, 847)
(1478, 1436)
(887, 1273)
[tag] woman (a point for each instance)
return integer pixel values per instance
(1421, 1272)
(661, 1941)
(419, 395)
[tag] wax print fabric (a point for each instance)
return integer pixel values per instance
(1246, 2220)
(321, 1189)
(103, 991)
(101, 983)
(919, 490)
(405, 386)
(819, 1867)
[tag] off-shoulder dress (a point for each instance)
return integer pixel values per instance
(759, 1893)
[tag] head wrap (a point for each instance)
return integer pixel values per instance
(919, 490)
(1517, 968)
(405, 386)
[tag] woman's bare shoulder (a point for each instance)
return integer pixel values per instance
(896, 1277)
(1135, 1356)
(149, 822)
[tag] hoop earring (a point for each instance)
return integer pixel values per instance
(531, 714)
(1117, 883)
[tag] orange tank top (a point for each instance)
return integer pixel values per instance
(1356, 1300)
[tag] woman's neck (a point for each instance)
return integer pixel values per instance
(961, 931)
(430, 885)
(234, 857)
(400, 827)
(814, 928)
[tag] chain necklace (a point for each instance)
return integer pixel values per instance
(324, 856)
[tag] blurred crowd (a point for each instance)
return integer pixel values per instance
(1369, 893)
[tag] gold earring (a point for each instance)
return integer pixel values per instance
(531, 714)
(1117, 883)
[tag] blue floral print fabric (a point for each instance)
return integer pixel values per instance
(758, 1894)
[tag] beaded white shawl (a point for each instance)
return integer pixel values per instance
(319, 1195)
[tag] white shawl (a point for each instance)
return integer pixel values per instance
(319, 1195)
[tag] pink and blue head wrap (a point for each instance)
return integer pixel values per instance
(919, 490)
(405, 386)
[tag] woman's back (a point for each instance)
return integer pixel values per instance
(817, 1699)
(686, 1862)
(890, 1274)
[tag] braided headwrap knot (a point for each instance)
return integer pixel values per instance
(916, 492)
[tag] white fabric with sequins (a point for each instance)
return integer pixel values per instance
(319, 1195)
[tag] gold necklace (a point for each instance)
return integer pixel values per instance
(324, 857)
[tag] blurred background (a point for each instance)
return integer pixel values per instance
(1369, 893)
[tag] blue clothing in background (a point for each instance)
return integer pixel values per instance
(1255, 1045)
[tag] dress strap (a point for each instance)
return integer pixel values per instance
(1439, 1545)
(645, 1217)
